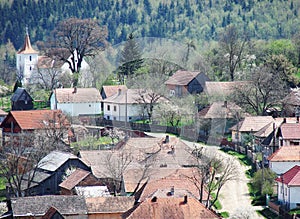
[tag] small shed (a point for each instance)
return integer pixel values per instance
(21, 100)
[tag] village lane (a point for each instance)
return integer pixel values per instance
(234, 196)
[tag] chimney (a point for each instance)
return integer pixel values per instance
(75, 90)
(167, 139)
(185, 199)
(284, 120)
(172, 191)
(154, 199)
(119, 91)
(225, 103)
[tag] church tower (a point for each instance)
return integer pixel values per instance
(27, 59)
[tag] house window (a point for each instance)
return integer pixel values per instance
(89, 105)
(108, 107)
(30, 68)
(115, 108)
(285, 191)
(30, 58)
(115, 118)
(108, 117)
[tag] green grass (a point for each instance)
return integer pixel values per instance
(294, 211)
(224, 214)
(91, 143)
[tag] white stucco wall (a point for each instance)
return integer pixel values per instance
(294, 197)
(281, 167)
(119, 114)
(26, 65)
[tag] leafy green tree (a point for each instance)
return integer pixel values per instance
(131, 59)
(263, 181)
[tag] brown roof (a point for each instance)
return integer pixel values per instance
(77, 176)
(285, 154)
(182, 77)
(118, 204)
(217, 88)
(27, 48)
(290, 131)
(253, 123)
(220, 109)
(77, 95)
(35, 119)
(47, 62)
(111, 90)
(171, 207)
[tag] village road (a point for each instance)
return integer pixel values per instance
(234, 196)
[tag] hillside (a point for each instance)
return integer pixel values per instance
(192, 19)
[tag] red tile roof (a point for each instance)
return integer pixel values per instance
(291, 177)
(35, 119)
(285, 154)
(182, 77)
(171, 207)
(290, 130)
(77, 95)
(77, 176)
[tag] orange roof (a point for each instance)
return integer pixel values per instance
(35, 119)
(291, 177)
(27, 49)
(290, 130)
(170, 207)
(77, 95)
(285, 154)
(113, 204)
(77, 176)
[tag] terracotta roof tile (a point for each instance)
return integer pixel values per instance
(118, 204)
(36, 119)
(254, 123)
(290, 130)
(170, 207)
(182, 77)
(77, 95)
(291, 177)
(111, 90)
(285, 154)
(77, 176)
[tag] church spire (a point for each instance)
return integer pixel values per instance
(27, 48)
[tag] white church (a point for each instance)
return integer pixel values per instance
(30, 65)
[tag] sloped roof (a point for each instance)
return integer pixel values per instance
(221, 88)
(286, 154)
(39, 205)
(253, 123)
(27, 48)
(54, 160)
(183, 78)
(113, 204)
(77, 95)
(3, 113)
(291, 177)
(290, 130)
(111, 90)
(21, 94)
(179, 182)
(77, 176)
(47, 62)
(220, 109)
(170, 207)
(36, 119)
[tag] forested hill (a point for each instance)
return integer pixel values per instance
(200, 20)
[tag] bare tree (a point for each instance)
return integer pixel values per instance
(76, 38)
(212, 174)
(233, 45)
(150, 90)
(264, 91)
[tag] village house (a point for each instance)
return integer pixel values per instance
(288, 188)
(32, 122)
(50, 172)
(76, 101)
(21, 100)
(284, 159)
(289, 134)
(186, 82)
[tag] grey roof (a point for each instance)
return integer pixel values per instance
(54, 160)
(39, 205)
(39, 177)
(21, 94)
